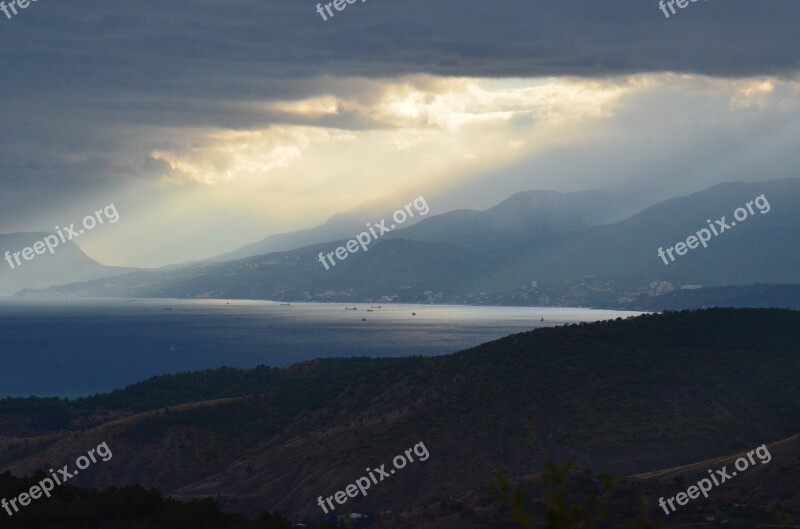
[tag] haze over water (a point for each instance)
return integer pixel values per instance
(80, 347)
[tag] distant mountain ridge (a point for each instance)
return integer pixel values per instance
(611, 259)
(524, 217)
(761, 249)
(67, 264)
(339, 226)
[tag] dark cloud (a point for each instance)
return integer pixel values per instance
(186, 62)
(85, 82)
(64, 52)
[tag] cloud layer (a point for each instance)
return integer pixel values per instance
(258, 116)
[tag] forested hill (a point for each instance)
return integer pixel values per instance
(627, 396)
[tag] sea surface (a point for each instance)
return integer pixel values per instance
(80, 347)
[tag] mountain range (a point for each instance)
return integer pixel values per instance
(540, 248)
(526, 216)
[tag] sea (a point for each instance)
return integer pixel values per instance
(78, 347)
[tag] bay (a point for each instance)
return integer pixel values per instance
(79, 347)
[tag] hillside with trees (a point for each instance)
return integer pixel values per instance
(626, 396)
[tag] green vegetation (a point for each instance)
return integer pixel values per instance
(120, 508)
(570, 501)
(560, 509)
(630, 396)
(39, 414)
(564, 498)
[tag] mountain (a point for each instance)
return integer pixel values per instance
(66, 264)
(391, 266)
(761, 248)
(522, 219)
(628, 396)
(340, 226)
(571, 268)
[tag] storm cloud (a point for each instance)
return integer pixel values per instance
(102, 99)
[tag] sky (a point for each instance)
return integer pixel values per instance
(210, 125)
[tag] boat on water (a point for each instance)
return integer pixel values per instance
(285, 304)
(348, 308)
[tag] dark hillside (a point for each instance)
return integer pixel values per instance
(627, 396)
